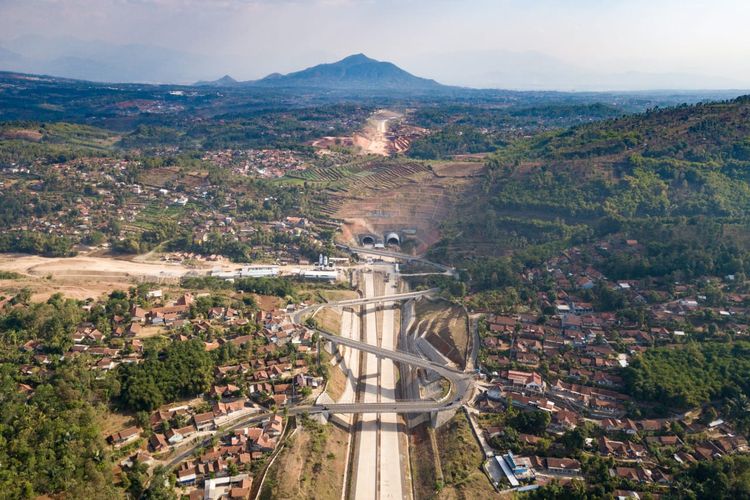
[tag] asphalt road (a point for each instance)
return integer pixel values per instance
(383, 298)
(297, 315)
(461, 384)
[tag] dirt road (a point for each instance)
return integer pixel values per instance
(373, 138)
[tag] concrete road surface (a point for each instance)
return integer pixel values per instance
(365, 484)
(391, 483)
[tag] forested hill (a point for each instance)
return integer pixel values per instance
(694, 133)
(639, 174)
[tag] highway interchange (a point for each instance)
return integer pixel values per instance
(377, 405)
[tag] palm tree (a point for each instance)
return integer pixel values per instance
(739, 407)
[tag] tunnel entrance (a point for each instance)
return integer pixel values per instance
(368, 240)
(392, 239)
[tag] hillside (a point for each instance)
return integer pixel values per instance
(660, 167)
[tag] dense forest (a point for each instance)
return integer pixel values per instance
(692, 376)
(50, 441)
(183, 369)
(675, 179)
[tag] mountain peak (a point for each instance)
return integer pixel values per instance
(224, 81)
(356, 71)
(358, 58)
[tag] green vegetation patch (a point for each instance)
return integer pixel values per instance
(689, 377)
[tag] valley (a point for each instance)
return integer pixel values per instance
(348, 282)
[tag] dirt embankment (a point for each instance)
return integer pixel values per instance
(446, 328)
(373, 139)
(89, 266)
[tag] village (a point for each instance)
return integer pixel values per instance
(278, 368)
(264, 163)
(554, 389)
(112, 207)
(550, 399)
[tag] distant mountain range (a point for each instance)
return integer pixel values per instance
(100, 61)
(356, 72)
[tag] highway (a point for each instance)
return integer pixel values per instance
(366, 470)
(390, 481)
(384, 402)
(461, 384)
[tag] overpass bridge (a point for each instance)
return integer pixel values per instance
(382, 298)
(460, 393)
(461, 390)
(396, 255)
(297, 315)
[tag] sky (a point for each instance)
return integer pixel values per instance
(523, 44)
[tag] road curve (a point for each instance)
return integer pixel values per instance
(461, 389)
(461, 383)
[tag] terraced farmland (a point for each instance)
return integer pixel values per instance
(385, 195)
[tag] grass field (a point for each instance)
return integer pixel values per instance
(461, 461)
(336, 295)
(425, 473)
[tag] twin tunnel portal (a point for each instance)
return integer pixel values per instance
(388, 238)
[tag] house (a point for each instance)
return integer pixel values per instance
(157, 443)
(224, 391)
(204, 421)
(563, 420)
(616, 425)
(571, 322)
(527, 380)
(138, 314)
(279, 399)
(239, 493)
(274, 426)
(186, 476)
(631, 474)
(620, 449)
(582, 308)
(563, 466)
(124, 436)
(105, 364)
(223, 409)
(175, 436)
